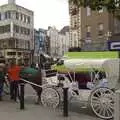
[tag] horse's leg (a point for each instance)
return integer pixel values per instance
(38, 95)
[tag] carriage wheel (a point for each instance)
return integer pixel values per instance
(102, 102)
(50, 97)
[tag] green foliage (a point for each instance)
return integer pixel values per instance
(110, 5)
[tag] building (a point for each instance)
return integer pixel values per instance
(90, 30)
(53, 35)
(75, 32)
(16, 32)
(58, 41)
(47, 44)
(40, 43)
(64, 40)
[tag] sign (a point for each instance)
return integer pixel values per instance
(114, 45)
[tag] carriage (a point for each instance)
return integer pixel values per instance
(100, 79)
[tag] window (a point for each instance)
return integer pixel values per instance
(11, 53)
(8, 15)
(6, 28)
(74, 11)
(5, 15)
(11, 43)
(19, 53)
(17, 15)
(16, 28)
(116, 25)
(21, 16)
(28, 19)
(1, 29)
(28, 32)
(22, 30)
(88, 11)
(88, 33)
(100, 29)
(24, 18)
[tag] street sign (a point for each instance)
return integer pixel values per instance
(114, 45)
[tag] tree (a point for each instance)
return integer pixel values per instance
(110, 5)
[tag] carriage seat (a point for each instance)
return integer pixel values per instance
(50, 77)
(50, 73)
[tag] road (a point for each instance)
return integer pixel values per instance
(10, 110)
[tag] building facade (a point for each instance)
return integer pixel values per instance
(58, 41)
(64, 40)
(16, 32)
(90, 30)
(40, 43)
(53, 35)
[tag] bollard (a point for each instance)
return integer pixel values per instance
(22, 96)
(65, 102)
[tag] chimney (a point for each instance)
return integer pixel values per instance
(11, 1)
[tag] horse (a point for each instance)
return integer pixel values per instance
(34, 76)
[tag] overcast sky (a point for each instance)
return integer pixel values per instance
(46, 12)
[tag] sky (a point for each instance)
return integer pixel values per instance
(46, 12)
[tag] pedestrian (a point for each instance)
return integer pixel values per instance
(14, 78)
(2, 79)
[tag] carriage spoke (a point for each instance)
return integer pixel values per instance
(101, 110)
(96, 102)
(104, 110)
(95, 98)
(111, 105)
(109, 112)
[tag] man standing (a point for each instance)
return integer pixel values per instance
(14, 77)
(2, 79)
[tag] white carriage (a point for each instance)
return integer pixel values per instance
(101, 89)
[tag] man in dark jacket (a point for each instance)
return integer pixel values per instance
(2, 79)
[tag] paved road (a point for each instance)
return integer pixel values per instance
(10, 110)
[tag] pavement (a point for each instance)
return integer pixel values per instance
(10, 110)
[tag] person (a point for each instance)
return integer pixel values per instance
(2, 79)
(14, 78)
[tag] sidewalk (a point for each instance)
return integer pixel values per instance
(10, 110)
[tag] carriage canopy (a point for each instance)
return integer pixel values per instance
(109, 66)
